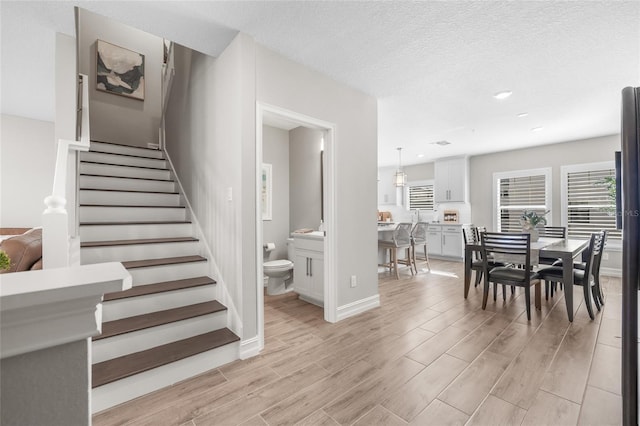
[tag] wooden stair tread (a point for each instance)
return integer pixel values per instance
(160, 262)
(129, 190)
(124, 165)
(124, 145)
(127, 205)
(127, 155)
(154, 319)
(138, 362)
(160, 287)
(138, 241)
(166, 222)
(125, 177)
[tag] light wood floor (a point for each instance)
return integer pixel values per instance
(425, 357)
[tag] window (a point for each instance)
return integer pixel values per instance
(586, 204)
(420, 196)
(515, 192)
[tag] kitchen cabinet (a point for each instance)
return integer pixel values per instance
(451, 180)
(434, 240)
(445, 240)
(308, 269)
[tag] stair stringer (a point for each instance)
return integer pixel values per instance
(234, 322)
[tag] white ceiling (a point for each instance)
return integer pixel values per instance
(433, 65)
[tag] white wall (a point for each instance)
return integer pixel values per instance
(27, 158)
(286, 84)
(275, 151)
(207, 124)
(305, 190)
(115, 118)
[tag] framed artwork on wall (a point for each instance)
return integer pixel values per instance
(119, 71)
(265, 191)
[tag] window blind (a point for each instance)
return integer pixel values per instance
(421, 197)
(517, 194)
(589, 207)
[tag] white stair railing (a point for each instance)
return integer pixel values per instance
(55, 219)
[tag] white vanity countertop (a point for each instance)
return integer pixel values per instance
(315, 235)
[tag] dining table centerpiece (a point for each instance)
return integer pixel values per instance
(530, 220)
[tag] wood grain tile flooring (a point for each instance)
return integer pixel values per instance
(426, 356)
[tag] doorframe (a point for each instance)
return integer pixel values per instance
(329, 201)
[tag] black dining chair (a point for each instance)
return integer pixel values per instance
(469, 236)
(582, 277)
(596, 267)
(514, 249)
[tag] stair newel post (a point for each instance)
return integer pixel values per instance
(55, 219)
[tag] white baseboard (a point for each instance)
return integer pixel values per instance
(249, 347)
(357, 307)
(611, 272)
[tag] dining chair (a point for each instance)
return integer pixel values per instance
(512, 248)
(470, 236)
(596, 267)
(419, 239)
(401, 239)
(551, 232)
(582, 277)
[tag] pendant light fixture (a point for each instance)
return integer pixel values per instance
(400, 178)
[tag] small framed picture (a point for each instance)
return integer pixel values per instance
(266, 188)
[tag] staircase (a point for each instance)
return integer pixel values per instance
(168, 326)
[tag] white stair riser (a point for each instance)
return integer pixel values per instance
(125, 253)
(99, 157)
(156, 274)
(124, 344)
(132, 232)
(115, 393)
(130, 214)
(125, 171)
(128, 150)
(132, 306)
(128, 198)
(105, 182)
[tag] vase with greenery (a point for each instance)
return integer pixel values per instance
(5, 262)
(530, 221)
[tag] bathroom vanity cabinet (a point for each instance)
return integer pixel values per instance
(308, 269)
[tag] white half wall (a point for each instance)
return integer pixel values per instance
(27, 159)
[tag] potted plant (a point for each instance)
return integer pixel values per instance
(530, 220)
(5, 262)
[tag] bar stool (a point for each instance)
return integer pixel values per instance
(401, 240)
(419, 238)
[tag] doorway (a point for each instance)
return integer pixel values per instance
(276, 116)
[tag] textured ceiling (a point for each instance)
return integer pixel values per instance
(433, 65)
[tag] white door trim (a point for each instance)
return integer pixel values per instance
(330, 217)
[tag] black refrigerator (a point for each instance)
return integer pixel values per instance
(630, 213)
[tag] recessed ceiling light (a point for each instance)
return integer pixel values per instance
(420, 155)
(441, 143)
(523, 114)
(537, 129)
(503, 95)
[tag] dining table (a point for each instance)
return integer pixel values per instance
(560, 248)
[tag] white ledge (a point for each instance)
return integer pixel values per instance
(50, 307)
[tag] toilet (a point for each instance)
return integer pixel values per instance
(279, 273)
